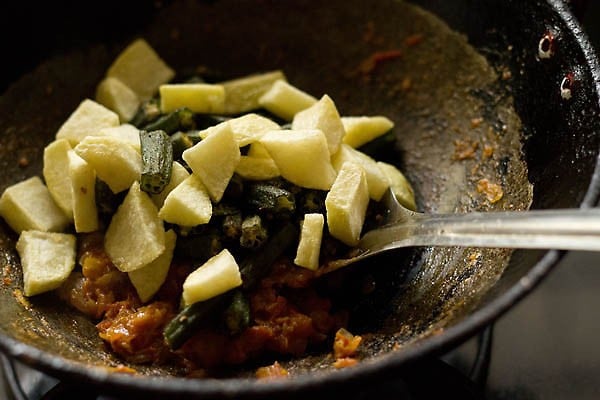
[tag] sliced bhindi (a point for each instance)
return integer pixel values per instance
(183, 326)
(181, 119)
(253, 268)
(148, 112)
(254, 234)
(257, 265)
(157, 160)
(180, 142)
(270, 200)
(237, 314)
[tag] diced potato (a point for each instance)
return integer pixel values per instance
(56, 162)
(116, 162)
(135, 236)
(117, 96)
(246, 129)
(87, 119)
(242, 94)
(363, 129)
(178, 175)
(257, 168)
(214, 160)
(139, 67)
(257, 164)
(198, 97)
(302, 157)
(148, 279)
(218, 275)
(400, 186)
(188, 204)
(285, 100)
(28, 205)
(258, 150)
(322, 115)
(309, 247)
(126, 132)
(346, 203)
(47, 259)
(83, 189)
(377, 181)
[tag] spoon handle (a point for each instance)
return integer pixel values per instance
(563, 229)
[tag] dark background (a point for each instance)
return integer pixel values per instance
(548, 346)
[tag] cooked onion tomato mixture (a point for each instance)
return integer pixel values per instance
(191, 219)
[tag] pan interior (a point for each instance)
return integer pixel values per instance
(459, 142)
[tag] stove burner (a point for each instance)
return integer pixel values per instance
(426, 379)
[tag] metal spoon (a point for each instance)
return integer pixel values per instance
(562, 229)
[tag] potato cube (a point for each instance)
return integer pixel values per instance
(309, 247)
(178, 175)
(56, 162)
(242, 94)
(126, 132)
(140, 68)
(135, 236)
(218, 275)
(87, 119)
(257, 168)
(47, 259)
(115, 95)
(83, 189)
(285, 100)
(214, 160)
(258, 150)
(322, 115)
(363, 129)
(377, 182)
(28, 205)
(148, 279)
(246, 129)
(198, 97)
(346, 203)
(302, 157)
(115, 160)
(188, 204)
(400, 186)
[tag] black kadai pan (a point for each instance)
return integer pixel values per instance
(499, 90)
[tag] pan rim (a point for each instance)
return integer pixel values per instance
(102, 378)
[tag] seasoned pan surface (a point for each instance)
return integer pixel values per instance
(468, 139)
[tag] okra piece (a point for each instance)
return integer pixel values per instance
(181, 119)
(253, 268)
(237, 313)
(201, 246)
(148, 112)
(258, 264)
(180, 142)
(232, 226)
(204, 121)
(270, 200)
(223, 209)
(312, 201)
(157, 160)
(254, 234)
(185, 324)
